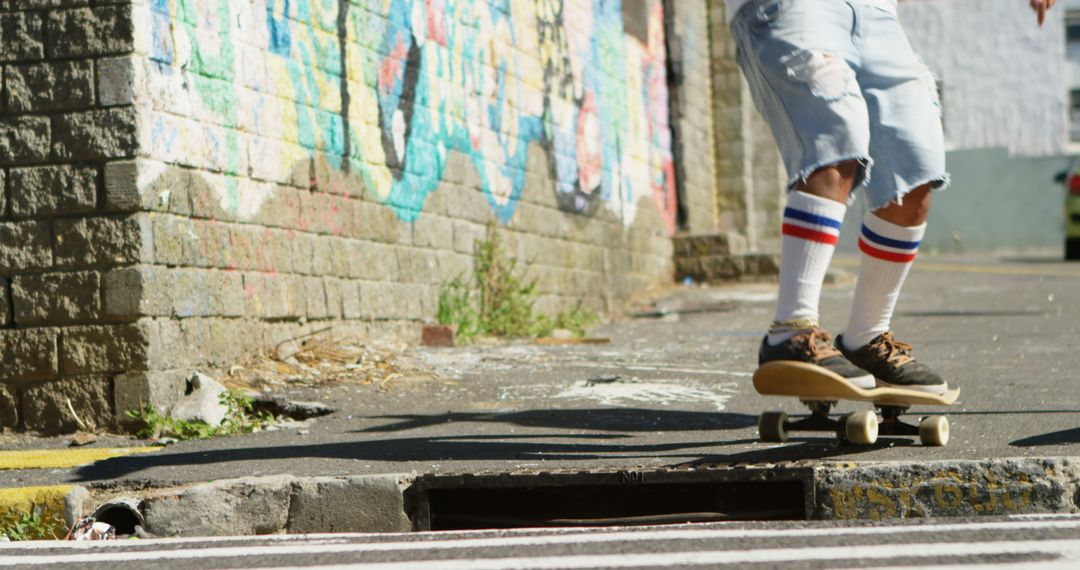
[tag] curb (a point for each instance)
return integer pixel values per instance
(399, 502)
(53, 506)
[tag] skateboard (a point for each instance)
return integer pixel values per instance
(821, 390)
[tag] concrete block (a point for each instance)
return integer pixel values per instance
(354, 504)
(993, 487)
(97, 134)
(28, 354)
(272, 297)
(98, 242)
(350, 301)
(116, 81)
(101, 30)
(22, 36)
(238, 507)
(25, 245)
(303, 253)
(47, 408)
(315, 298)
(101, 349)
(133, 292)
(50, 190)
(9, 408)
(433, 231)
(56, 298)
(5, 302)
(134, 390)
(24, 140)
(332, 287)
(49, 86)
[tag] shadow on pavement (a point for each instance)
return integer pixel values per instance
(605, 419)
(807, 449)
(970, 313)
(1062, 437)
(420, 449)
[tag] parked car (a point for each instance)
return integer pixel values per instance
(1071, 179)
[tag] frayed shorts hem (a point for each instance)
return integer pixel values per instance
(938, 183)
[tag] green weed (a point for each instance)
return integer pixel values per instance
(30, 526)
(240, 418)
(497, 302)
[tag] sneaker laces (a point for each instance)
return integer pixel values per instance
(892, 350)
(819, 345)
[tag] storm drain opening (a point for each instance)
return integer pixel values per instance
(608, 499)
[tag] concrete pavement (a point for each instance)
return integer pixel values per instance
(672, 391)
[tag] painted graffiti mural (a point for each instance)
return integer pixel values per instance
(387, 89)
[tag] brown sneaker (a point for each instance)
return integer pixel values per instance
(813, 346)
(890, 361)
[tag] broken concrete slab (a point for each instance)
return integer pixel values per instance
(294, 409)
(203, 401)
(353, 504)
(257, 505)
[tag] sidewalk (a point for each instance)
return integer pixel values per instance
(672, 391)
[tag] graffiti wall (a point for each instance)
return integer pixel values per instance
(387, 90)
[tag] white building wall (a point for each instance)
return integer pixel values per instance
(1004, 79)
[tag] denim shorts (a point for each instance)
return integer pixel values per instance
(837, 81)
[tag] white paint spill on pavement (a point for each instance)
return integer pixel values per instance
(632, 392)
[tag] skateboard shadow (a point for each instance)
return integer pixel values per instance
(598, 419)
(1062, 437)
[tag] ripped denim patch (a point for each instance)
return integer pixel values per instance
(827, 75)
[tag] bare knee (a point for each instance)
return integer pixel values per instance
(833, 182)
(912, 211)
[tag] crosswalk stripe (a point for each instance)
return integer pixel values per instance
(566, 536)
(330, 546)
(1067, 551)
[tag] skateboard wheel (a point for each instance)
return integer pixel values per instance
(772, 427)
(861, 428)
(934, 431)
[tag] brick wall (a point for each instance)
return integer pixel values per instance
(189, 181)
(60, 125)
(750, 177)
(692, 110)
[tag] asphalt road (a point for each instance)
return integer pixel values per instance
(674, 390)
(1030, 542)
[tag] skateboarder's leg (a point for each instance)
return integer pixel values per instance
(907, 145)
(799, 58)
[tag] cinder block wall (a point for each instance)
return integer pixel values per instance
(750, 177)
(63, 118)
(189, 181)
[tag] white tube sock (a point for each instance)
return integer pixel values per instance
(888, 250)
(811, 229)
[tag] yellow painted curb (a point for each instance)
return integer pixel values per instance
(48, 502)
(60, 458)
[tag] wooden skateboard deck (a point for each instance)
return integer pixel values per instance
(809, 382)
(821, 389)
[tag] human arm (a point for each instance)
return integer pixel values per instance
(1040, 7)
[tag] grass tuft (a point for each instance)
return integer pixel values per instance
(498, 302)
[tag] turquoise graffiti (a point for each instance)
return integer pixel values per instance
(387, 89)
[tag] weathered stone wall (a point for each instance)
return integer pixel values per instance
(691, 96)
(62, 120)
(187, 181)
(750, 177)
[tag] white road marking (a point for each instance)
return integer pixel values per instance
(569, 536)
(1069, 550)
(624, 393)
(639, 367)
